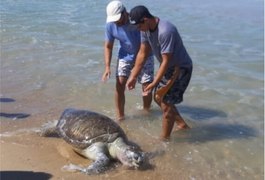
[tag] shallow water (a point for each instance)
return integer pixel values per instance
(52, 58)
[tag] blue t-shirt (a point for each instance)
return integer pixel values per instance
(166, 39)
(128, 36)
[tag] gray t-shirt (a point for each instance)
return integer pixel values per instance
(166, 39)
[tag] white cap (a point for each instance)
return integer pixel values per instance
(114, 10)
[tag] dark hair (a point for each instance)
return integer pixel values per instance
(124, 10)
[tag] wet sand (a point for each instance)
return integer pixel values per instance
(203, 153)
(26, 155)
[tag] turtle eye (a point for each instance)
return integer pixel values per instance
(136, 156)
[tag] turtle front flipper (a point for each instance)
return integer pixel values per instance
(97, 167)
(97, 152)
(73, 168)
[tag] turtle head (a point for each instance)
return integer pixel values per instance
(132, 157)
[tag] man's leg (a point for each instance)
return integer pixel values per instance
(145, 78)
(147, 100)
(181, 124)
(120, 97)
(123, 70)
(168, 120)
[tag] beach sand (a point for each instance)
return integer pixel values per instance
(26, 155)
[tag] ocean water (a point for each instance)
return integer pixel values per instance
(52, 59)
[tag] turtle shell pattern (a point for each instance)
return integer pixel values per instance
(81, 128)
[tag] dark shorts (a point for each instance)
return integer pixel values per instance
(176, 91)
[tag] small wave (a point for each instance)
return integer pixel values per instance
(89, 63)
(20, 131)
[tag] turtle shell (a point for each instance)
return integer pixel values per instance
(81, 128)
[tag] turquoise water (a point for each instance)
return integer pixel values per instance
(52, 58)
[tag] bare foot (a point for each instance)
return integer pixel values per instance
(164, 139)
(181, 127)
(120, 119)
(146, 111)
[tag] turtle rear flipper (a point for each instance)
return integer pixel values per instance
(49, 129)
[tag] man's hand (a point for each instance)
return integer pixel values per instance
(148, 89)
(131, 83)
(106, 75)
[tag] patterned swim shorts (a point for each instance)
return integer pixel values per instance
(175, 93)
(147, 73)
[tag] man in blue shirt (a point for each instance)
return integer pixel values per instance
(174, 73)
(118, 27)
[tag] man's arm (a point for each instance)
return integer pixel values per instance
(160, 73)
(141, 57)
(162, 68)
(108, 47)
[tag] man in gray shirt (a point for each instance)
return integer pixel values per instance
(174, 73)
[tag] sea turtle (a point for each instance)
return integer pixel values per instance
(97, 137)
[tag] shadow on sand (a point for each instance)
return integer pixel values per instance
(206, 128)
(214, 132)
(6, 100)
(12, 115)
(200, 113)
(24, 175)
(195, 113)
